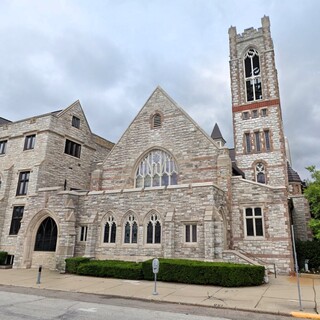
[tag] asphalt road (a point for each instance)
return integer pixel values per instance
(32, 304)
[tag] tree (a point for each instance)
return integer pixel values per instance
(312, 193)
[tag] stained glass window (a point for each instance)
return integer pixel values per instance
(157, 168)
(131, 230)
(110, 231)
(154, 229)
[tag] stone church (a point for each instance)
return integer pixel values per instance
(166, 188)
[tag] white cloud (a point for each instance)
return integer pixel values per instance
(112, 54)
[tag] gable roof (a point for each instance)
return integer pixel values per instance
(159, 90)
(74, 104)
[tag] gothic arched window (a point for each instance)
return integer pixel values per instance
(130, 230)
(252, 75)
(46, 238)
(154, 229)
(110, 229)
(260, 172)
(156, 169)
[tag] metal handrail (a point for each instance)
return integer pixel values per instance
(259, 260)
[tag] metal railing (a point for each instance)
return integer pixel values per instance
(263, 262)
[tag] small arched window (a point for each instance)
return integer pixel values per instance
(46, 238)
(156, 121)
(131, 230)
(260, 172)
(154, 229)
(156, 169)
(110, 229)
(252, 75)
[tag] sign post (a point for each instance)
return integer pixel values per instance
(39, 274)
(296, 266)
(155, 269)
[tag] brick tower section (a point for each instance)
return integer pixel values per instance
(257, 119)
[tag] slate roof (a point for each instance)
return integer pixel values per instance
(4, 121)
(216, 133)
(293, 176)
(235, 170)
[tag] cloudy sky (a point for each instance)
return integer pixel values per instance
(112, 54)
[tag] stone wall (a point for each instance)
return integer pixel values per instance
(175, 205)
(300, 218)
(47, 162)
(194, 151)
(275, 245)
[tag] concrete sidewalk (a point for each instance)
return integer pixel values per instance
(279, 296)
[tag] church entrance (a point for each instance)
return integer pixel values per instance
(44, 252)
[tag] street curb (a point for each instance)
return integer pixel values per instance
(305, 315)
(260, 311)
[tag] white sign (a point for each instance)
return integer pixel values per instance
(155, 265)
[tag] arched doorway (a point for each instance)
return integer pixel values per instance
(46, 237)
(41, 240)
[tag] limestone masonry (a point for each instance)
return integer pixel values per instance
(166, 188)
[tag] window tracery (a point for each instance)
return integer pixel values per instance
(156, 169)
(252, 75)
(260, 172)
(154, 229)
(131, 230)
(110, 229)
(46, 238)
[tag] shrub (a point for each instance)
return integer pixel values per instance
(308, 250)
(73, 263)
(111, 269)
(211, 273)
(171, 270)
(3, 256)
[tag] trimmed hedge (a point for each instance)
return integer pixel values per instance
(3, 256)
(210, 273)
(171, 270)
(73, 263)
(112, 269)
(308, 250)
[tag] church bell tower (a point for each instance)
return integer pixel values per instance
(257, 121)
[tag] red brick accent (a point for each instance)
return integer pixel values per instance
(256, 105)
